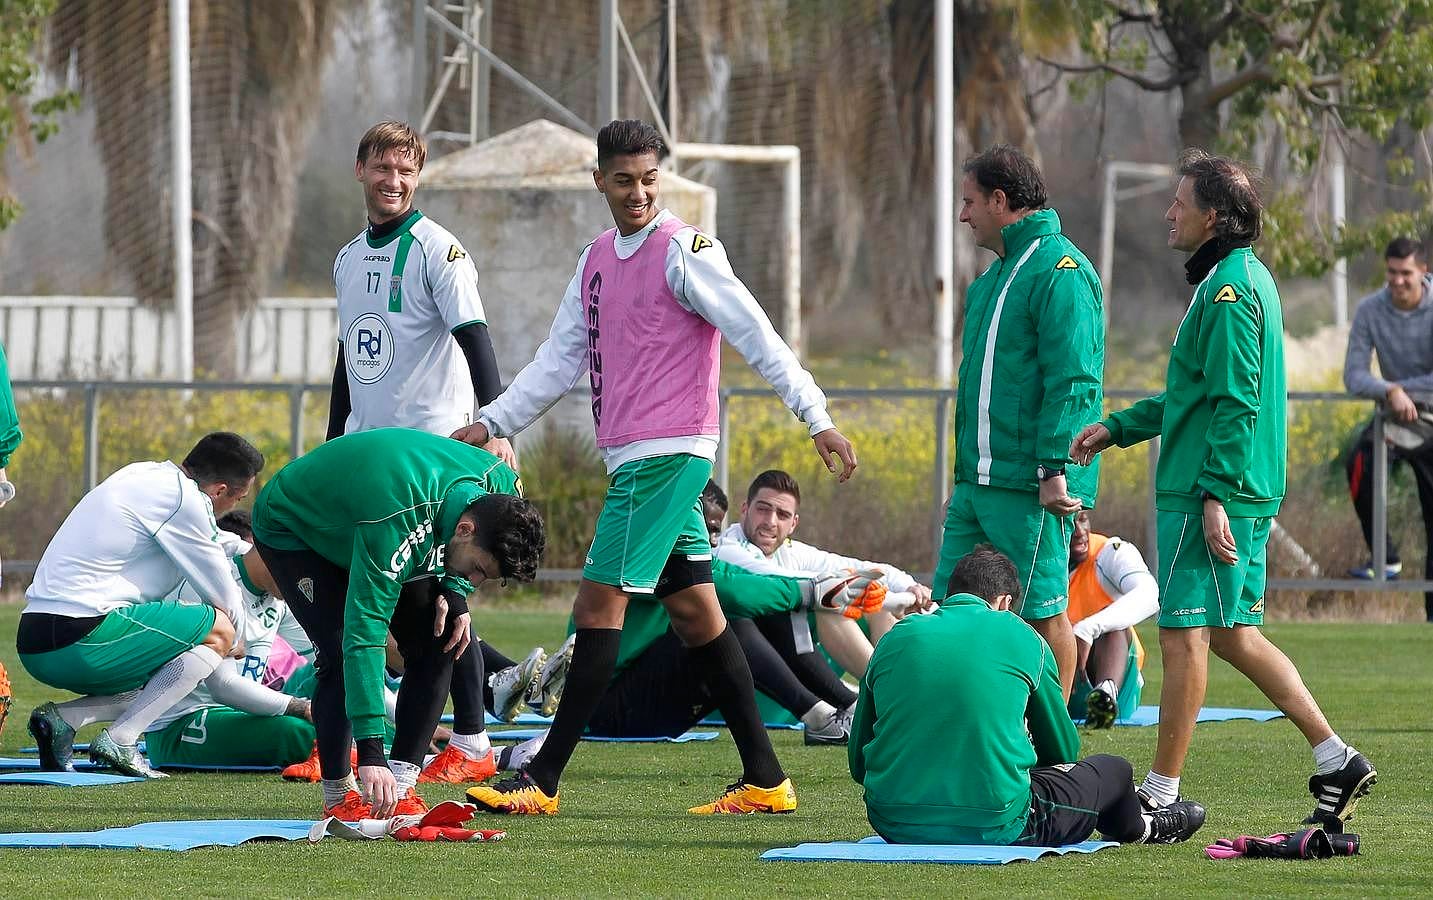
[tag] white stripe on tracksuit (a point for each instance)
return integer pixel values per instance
(987, 370)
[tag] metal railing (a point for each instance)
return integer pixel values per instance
(942, 405)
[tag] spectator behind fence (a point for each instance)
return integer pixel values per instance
(1396, 322)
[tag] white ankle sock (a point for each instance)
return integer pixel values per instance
(335, 789)
(818, 715)
(405, 773)
(166, 687)
(1163, 789)
(474, 746)
(1330, 755)
(84, 711)
(1109, 687)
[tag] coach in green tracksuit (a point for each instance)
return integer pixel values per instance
(1033, 359)
(1220, 481)
(342, 528)
(955, 747)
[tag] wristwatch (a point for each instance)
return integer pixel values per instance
(1045, 473)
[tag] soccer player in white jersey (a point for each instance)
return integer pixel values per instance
(1111, 591)
(760, 541)
(95, 623)
(414, 352)
(643, 317)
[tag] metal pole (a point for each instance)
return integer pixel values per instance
(723, 460)
(1380, 498)
(1338, 209)
(944, 193)
(296, 421)
(791, 214)
(672, 69)
(1107, 236)
(607, 63)
(481, 125)
(92, 436)
(420, 61)
(181, 209)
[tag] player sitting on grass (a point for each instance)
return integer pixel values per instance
(1111, 591)
(761, 542)
(95, 623)
(343, 528)
(800, 680)
(961, 734)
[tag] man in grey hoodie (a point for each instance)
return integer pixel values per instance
(1396, 322)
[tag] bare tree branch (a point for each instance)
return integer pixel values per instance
(1169, 83)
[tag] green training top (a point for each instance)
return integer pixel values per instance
(939, 738)
(1222, 412)
(382, 504)
(1034, 359)
(9, 420)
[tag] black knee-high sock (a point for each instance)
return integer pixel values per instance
(469, 690)
(728, 680)
(810, 667)
(594, 659)
(769, 672)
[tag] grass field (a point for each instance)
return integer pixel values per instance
(624, 829)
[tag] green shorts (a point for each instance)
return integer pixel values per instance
(652, 512)
(220, 736)
(1017, 525)
(125, 649)
(1195, 590)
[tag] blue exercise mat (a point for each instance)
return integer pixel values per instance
(527, 718)
(82, 748)
(168, 835)
(875, 849)
(1149, 715)
(523, 734)
(719, 722)
(33, 764)
(66, 779)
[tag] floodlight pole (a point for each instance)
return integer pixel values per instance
(182, 201)
(944, 193)
(607, 63)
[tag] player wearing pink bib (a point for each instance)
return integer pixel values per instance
(644, 316)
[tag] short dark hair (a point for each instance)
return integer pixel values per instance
(1005, 168)
(1228, 188)
(238, 521)
(776, 480)
(628, 137)
(510, 528)
(713, 495)
(223, 457)
(985, 572)
(1404, 247)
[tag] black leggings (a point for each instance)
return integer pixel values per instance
(316, 590)
(661, 694)
(1069, 803)
(811, 667)
(1359, 468)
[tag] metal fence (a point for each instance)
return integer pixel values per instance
(941, 404)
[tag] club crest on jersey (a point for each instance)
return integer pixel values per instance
(454, 252)
(306, 588)
(368, 346)
(700, 242)
(1226, 295)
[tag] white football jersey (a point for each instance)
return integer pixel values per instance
(399, 300)
(266, 616)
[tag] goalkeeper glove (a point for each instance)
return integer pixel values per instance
(850, 592)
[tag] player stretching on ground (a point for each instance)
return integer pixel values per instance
(644, 314)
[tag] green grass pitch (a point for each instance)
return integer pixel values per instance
(624, 830)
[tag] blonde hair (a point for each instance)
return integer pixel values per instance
(386, 136)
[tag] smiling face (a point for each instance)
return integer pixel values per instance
(985, 213)
(629, 182)
(1190, 226)
(769, 518)
(388, 180)
(1405, 280)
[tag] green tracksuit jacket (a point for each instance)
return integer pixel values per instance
(1222, 413)
(1033, 359)
(9, 420)
(939, 738)
(381, 504)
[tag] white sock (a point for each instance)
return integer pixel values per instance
(335, 789)
(474, 746)
(1330, 755)
(84, 711)
(406, 774)
(174, 680)
(818, 714)
(1161, 788)
(1109, 687)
